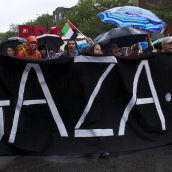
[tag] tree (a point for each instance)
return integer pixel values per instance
(44, 20)
(9, 34)
(14, 29)
(162, 10)
(2, 37)
(85, 16)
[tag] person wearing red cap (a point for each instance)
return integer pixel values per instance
(30, 51)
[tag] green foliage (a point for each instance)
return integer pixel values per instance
(14, 28)
(2, 37)
(9, 34)
(162, 10)
(44, 20)
(13, 31)
(85, 16)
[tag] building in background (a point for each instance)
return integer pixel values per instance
(168, 30)
(58, 13)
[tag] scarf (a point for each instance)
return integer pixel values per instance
(73, 53)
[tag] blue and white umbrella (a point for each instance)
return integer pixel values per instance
(132, 16)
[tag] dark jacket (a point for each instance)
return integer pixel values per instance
(87, 49)
(66, 54)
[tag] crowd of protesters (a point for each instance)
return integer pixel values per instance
(70, 49)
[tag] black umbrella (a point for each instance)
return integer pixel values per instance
(95, 40)
(123, 37)
(51, 42)
(13, 41)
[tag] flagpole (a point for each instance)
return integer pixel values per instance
(75, 27)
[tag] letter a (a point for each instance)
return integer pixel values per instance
(48, 96)
(136, 101)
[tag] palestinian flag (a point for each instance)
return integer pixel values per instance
(149, 40)
(70, 31)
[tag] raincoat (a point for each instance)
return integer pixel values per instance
(31, 54)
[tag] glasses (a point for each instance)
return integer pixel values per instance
(71, 43)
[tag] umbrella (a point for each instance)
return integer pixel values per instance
(12, 41)
(144, 45)
(52, 42)
(132, 16)
(123, 37)
(98, 37)
(158, 41)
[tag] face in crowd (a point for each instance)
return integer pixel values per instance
(71, 45)
(43, 51)
(167, 47)
(136, 52)
(10, 52)
(32, 45)
(97, 49)
(115, 49)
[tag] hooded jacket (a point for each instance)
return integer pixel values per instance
(31, 54)
(88, 50)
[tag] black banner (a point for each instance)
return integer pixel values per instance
(85, 105)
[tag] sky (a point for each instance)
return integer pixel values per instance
(20, 11)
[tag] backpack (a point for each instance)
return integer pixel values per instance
(22, 47)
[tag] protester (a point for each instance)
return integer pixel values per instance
(31, 49)
(119, 52)
(91, 50)
(65, 47)
(11, 51)
(51, 54)
(57, 53)
(136, 50)
(124, 51)
(42, 49)
(111, 49)
(158, 48)
(97, 49)
(167, 45)
(71, 50)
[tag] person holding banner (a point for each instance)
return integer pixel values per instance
(30, 51)
(167, 45)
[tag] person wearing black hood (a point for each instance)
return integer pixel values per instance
(91, 49)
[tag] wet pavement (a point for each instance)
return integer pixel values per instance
(150, 160)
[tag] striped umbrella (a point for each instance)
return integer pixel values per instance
(132, 16)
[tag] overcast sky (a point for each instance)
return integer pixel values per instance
(20, 11)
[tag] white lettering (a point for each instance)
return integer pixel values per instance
(93, 132)
(2, 103)
(48, 97)
(142, 101)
